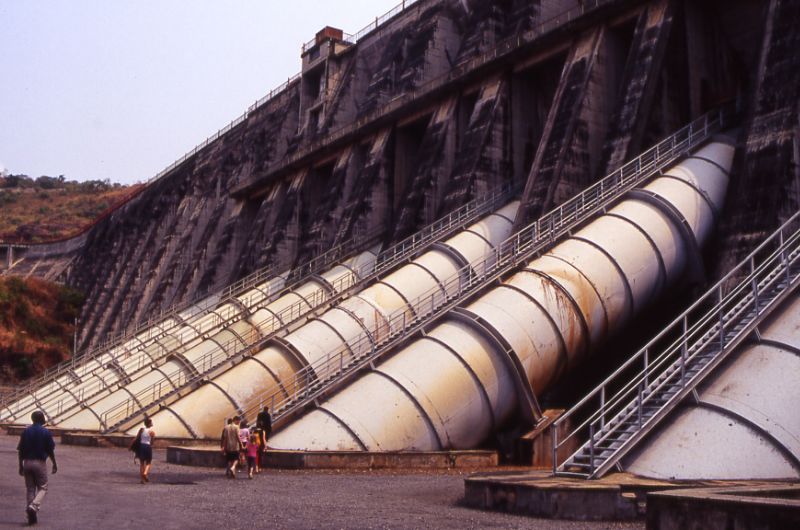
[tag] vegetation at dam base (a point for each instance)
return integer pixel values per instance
(37, 321)
(50, 208)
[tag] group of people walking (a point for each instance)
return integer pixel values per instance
(242, 445)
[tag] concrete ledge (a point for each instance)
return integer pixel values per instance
(722, 508)
(92, 439)
(212, 457)
(621, 496)
(590, 501)
(16, 430)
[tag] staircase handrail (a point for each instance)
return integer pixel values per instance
(503, 258)
(713, 302)
(502, 48)
(170, 318)
(542, 27)
(356, 279)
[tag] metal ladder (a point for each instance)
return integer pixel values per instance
(165, 390)
(624, 408)
(324, 377)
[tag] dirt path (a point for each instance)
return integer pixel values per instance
(98, 488)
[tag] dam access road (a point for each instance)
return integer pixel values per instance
(98, 488)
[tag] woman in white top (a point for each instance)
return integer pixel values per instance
(146, 436)
(244, 437)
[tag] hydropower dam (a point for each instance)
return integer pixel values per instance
(422, 240)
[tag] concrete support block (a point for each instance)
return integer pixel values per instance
(599, 502)
(212, 457)
(640, 80)
(559, 138)
(743, 508)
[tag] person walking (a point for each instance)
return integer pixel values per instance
(264, 422)
(253, 450)
(244, 437)
(146, 437)
(230, 445)
(35, 446)
(259, 434)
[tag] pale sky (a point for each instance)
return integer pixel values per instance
(119, 89)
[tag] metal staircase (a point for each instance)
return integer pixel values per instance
(628, 405)
(315, 381)
(175, 385)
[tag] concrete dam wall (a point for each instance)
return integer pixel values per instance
(380, 135)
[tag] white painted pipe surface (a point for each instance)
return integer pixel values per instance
(451, 388)
(745, 424)
(205, 410)
(187, 353)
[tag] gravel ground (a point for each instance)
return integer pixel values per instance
(99, 488)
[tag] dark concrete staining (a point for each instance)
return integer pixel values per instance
(557, 112)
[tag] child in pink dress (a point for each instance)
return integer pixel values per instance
(252, 454)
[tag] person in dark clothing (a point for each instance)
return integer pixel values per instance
(264, 422)
(35, 445)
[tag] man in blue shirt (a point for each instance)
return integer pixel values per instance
(35, 445)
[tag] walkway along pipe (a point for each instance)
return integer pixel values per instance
(451, 388)
(98, 376)
(203, 412)
(184, 360)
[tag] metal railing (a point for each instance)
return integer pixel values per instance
(369, 28)
(337, 289)
(170, 318)
(311, 382)
(174, 382)
(638, 395)
(165, 321)
(501, 49)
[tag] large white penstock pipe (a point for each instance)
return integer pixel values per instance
(340, 328)
(451, 388)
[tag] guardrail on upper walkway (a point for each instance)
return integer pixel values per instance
(121, 414)
(312, 382)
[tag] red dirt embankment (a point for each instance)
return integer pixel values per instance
(36, 326)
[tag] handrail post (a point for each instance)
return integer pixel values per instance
(684, 350)
(784, 260)
(640, 404)
(721, 320)
(603, 408)
(554, 440)
(754, 285)
(591, 448)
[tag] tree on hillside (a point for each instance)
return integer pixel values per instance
(18, 181)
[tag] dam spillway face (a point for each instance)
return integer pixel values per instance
(400, 158)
